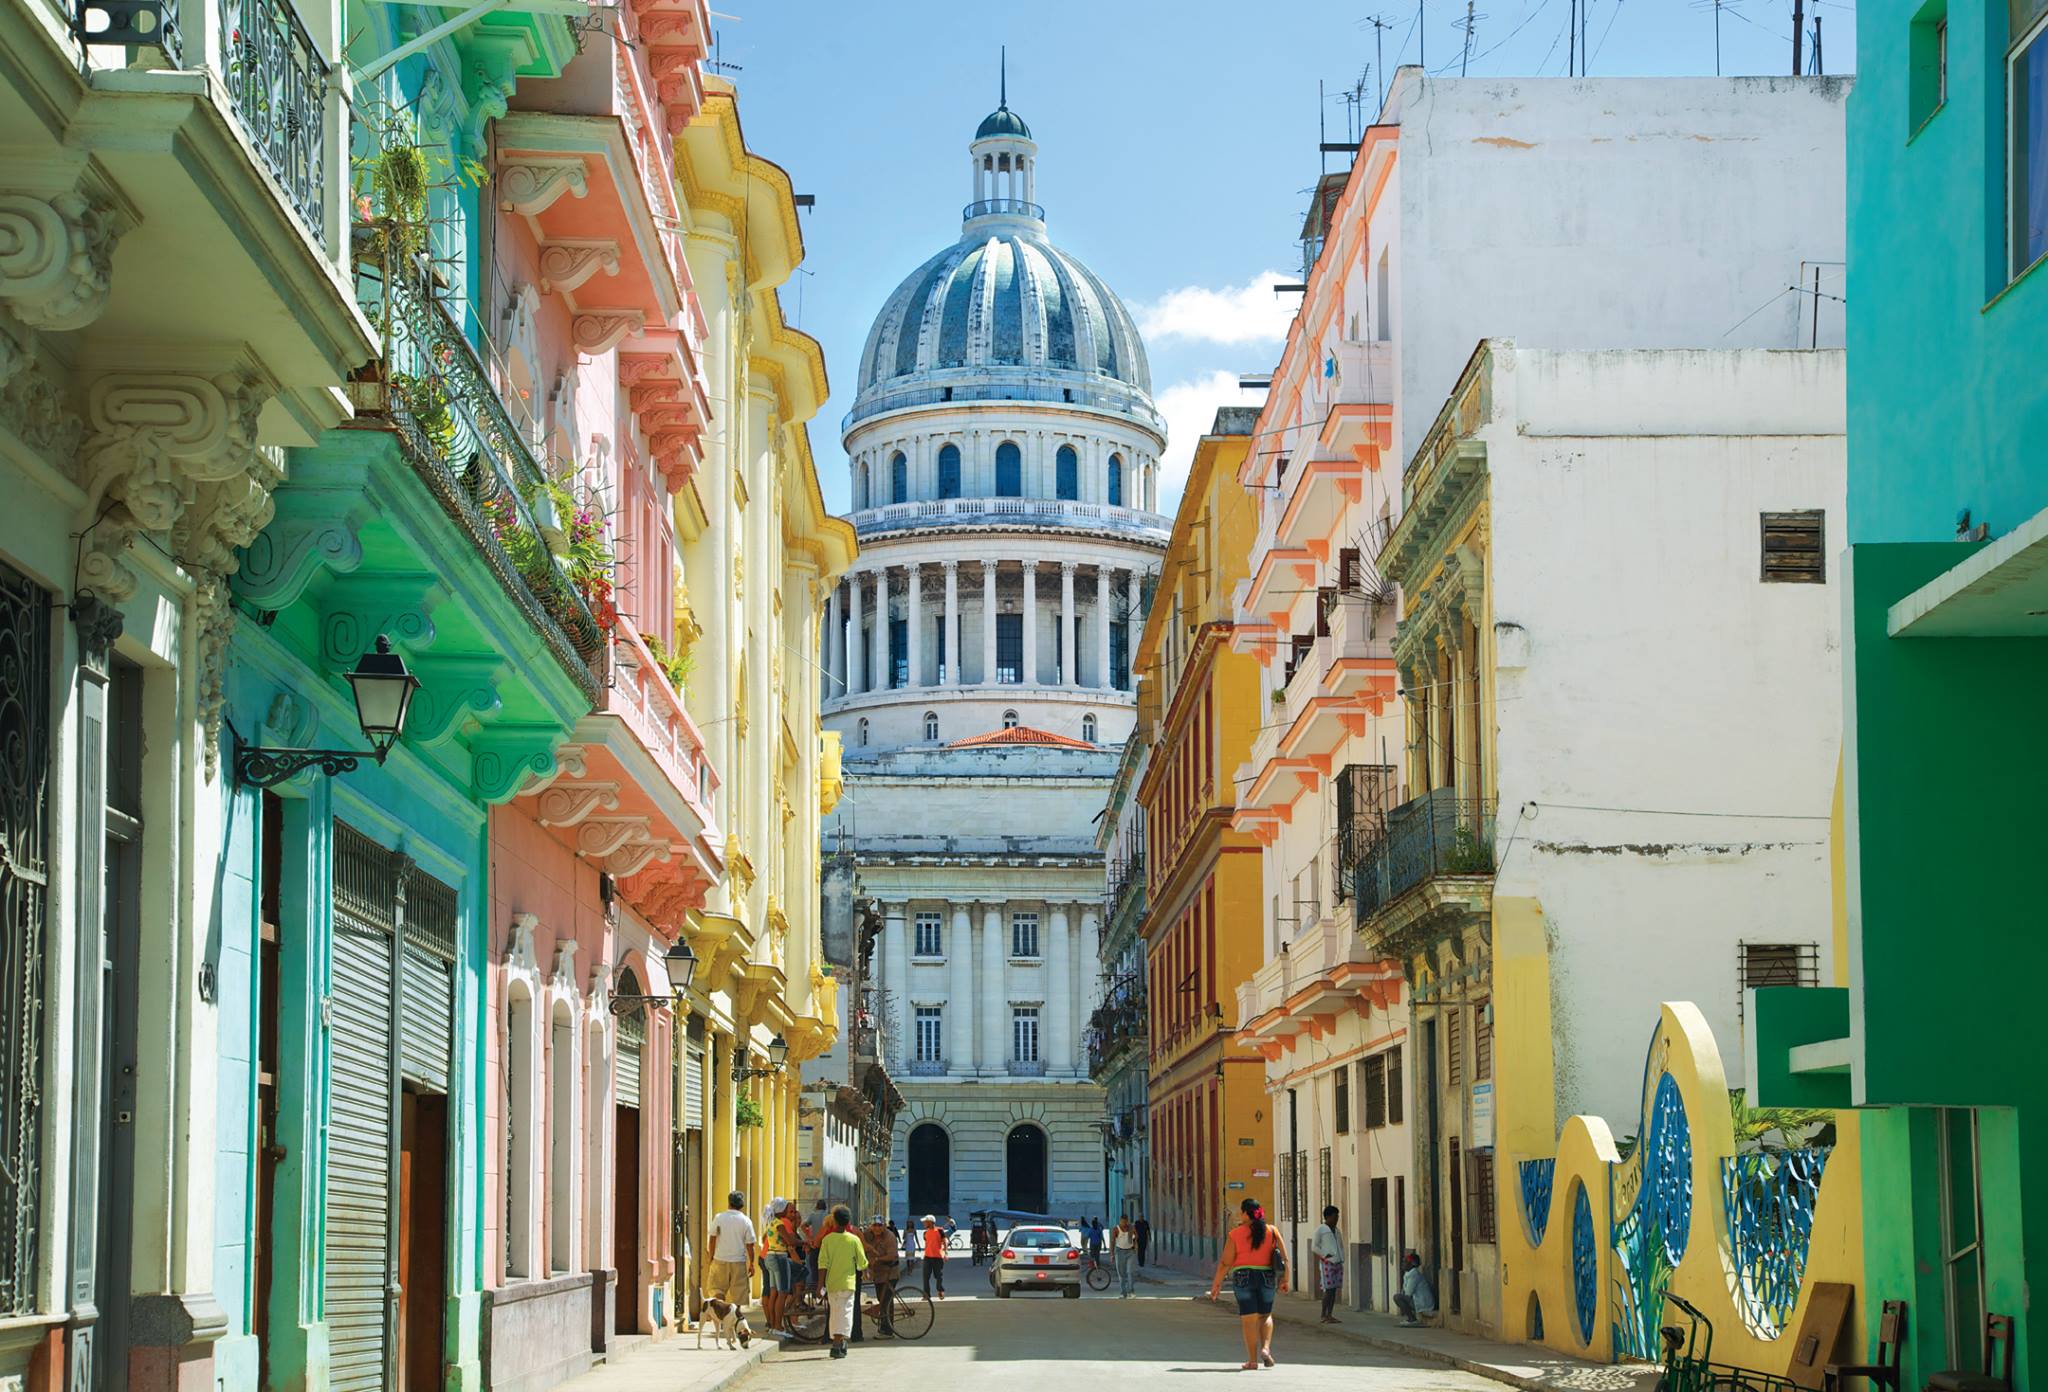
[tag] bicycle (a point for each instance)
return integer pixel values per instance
(911, 1314)
(1098, 1276)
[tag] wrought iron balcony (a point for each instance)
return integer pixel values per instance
(927, 1068)
(431, 386)
(1001, 207)
(1436, 834)
(278, 82)
(1027, 1068)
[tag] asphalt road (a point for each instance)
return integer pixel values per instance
(1032, 1343)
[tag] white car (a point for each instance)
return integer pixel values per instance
(1037, 1258)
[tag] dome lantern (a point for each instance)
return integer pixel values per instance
(1004, 164)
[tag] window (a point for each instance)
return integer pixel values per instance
(1482, 1041)
(930, 936)
(1067, 472)
(949, 471)
(1927, 64)
(899, 652)
(899, 478)
(1382, 306)
(1116, 480)
(860, 734)
(1024, 936)
(931, 727)
(1376, 1205)
(561, 1141)
(1088, 728)
(1009, 720)
(1962, 1222)
(1479, 1195)
(522, 1131)
(1024, 1034)
(1773, 964)
(1325, 1195)
(1009, 650)
(1394, 1086)
(1794, 547)
(860, 486)
(931, 1033)
(1120, 655)
(1454, 1045)
(1343, 1101)
(1009, 471)
(940, 646)
(1374, 1084)
(2028, 101)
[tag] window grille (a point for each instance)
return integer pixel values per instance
(1377, 1203)
(1024, 937)
(1482, 1041)
(1795, 547)
(1394, 1086)
(1773, 964)
(1325, 1195)
(1342, 1100)
(1375, 1092)
(930, 936)
(1479, 1195)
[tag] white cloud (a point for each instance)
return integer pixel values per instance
(1249, 313)
(1190, 410)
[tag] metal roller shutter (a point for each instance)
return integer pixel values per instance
(626, 1073)
(359, 1132)
(427, 982)
(693, 1088)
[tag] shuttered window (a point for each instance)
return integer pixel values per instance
(632, 1041)
(1394, 1086)
(1375, 1074)
(1454, 1046)
(1479, 1195)
(1795, 547)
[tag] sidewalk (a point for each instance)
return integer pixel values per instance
(1518, 1365)
(675, 1364)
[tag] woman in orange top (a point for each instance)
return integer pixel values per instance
(934, 1255)
(1257, 1262)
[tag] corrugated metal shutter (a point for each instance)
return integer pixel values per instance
(626, 1073)
(359, 1133)
(693, 1088)
(428, 982)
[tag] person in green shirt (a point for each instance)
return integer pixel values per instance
(841, 1259)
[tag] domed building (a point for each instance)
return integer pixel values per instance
(1004, 452)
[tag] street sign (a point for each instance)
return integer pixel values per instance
(1235, 1184)
(1482, 1116)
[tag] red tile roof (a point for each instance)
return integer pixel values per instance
(1021, 734)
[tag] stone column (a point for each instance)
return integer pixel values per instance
(896, 980)
(988, 623)
(995, 1014)
(884, 660)
(1031, 623)
(950, 649)
(960, 993)
(913, 614)
(1057, 1047)
(835, 646)
(1089, 993)
(856, 663)
(1070, 675)
(1102, 627)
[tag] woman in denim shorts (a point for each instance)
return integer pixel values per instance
(1256, 1261)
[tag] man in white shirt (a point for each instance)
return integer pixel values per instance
(1328, 1249)
(730, 1273)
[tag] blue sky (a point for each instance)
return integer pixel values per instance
(1177, 143)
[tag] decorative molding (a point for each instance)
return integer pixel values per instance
(98, 625)
(572, 804)
(568, 764)
(519, 947)
(504, 757)
(598, 331)
(532, 185)
(635, 856)
(356, 610)
(33, 407)
(566, 264)
(56, 258)
(563, 977)
(452, 688)
(598, 837)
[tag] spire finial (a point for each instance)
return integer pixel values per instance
(1003, 87)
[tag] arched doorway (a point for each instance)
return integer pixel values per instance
(930, 1157)
(1024, 1152)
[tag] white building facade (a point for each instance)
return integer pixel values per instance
(1004, 455)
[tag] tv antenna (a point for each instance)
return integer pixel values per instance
(1468, 24)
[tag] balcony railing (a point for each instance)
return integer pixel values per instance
(987, 512)
(927, 1068)
(1435, 834)
(462, 442)
(1011, 207)
(278, 81)
(641, 695)
(1027, 1068)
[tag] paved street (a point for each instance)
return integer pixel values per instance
(1098, 1342)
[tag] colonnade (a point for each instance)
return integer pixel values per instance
(867, 604)
(986, 979)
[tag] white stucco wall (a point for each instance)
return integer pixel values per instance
(1667, 724)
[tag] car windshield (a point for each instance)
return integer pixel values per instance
(1037, 1237)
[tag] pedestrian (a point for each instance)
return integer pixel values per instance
(821, 1223)
(1328, 1247)
(977, 1240)
(1257, 1262)
(1123, 1248)
(842, 1256)
(777, 1263)
(730, 1274)
(1094, 1234)
(934, 1255)
(1415, 1298)
(885, 1265)
(1142, 1226)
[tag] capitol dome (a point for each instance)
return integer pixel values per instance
(1002, 314)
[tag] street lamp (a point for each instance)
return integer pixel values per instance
(681, 964)
(778, 1055)
(383, 690)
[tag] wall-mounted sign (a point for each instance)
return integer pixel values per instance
(1246, 1140)
(1482, 1116)
(1262, 1174)
(1235, 1184)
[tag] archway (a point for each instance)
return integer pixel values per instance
(1024, 1152)
(930, 1156)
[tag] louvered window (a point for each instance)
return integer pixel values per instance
(1795, 547)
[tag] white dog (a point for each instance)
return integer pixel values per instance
(727, 1325)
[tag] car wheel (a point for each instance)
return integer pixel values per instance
(1071, 1292)
(1002, 1291)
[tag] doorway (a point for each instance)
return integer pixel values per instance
(1024, 1152)
(120, 951)
(422, 1225)
(626, 1220)
(930, 1160)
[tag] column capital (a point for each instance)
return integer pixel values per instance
(1069, 567)
(949, 566)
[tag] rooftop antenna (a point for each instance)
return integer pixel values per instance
(1820, 69)
(1717, 6)
(1468, 24)
(1379, 59)
(718, 63)
(1798, 33)
(1003, 79)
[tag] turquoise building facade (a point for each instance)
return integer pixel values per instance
(1946, 650)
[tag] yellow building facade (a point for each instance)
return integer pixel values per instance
(759, 553)
(1198, 706)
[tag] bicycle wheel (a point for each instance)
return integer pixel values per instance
(913, 1314)
(811, 1322)
(1098, 1277)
